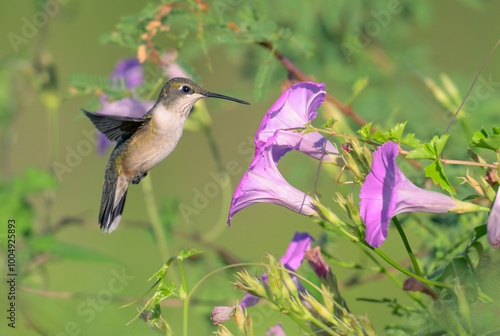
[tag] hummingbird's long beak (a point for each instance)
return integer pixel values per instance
(216, 95)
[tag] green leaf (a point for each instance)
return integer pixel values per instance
(396, 132)
(422, 152)
(48, 243)
(184, 254)
(359, 85)
(365, 131)
(456, 268)
(309, 128)
(379, 137)
(482, 139)
(410, 140)
(431, 150)
(36, 180)
(329, 123)
(436, 173)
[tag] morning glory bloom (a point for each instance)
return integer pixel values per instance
(292, 260)
(387, 192)
(494, 223)
(128, 70)
(295, 108)
(263, 182)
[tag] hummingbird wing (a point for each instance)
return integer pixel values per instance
(116, 128)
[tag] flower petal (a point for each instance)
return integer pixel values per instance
(387, 192)
(295, 108)
(277, 330)
(263, 182)
(301, 242)
(130, 71)
(494, 223)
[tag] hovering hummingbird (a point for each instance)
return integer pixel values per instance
(144, 142)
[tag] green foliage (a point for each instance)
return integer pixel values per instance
(482, 139)
(367, 77)
(14, 196)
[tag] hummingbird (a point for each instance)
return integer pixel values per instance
(142, 143)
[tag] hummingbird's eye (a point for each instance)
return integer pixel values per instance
(186, 89)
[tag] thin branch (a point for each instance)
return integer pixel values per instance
(292, 68)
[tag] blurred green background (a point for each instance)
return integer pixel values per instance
(55, 293)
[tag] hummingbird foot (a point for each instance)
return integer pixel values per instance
(138, 177)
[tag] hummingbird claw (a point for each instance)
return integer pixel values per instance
(138, 177)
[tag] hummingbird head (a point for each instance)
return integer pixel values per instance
(180, 94)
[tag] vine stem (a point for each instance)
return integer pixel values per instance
(407, 246)
(404, 271)
(185, 300)
(301, 324)
(147, 188)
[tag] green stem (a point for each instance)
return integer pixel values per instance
(407, 245)
(393, 278)
(300, 323)
(402, 270)
(185, 300)
(147, 188)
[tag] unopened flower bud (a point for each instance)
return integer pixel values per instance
(221, 314)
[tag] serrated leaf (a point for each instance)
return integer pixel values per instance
(365, 131)
(430, 150)
(482, 139)
(422, 152)
(184, 254)
(396, 132)
(438, 143)
(436, 173)
(48, 243)
(329, 123)
(379, 137)
(410, 140)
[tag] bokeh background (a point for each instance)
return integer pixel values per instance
(71, 263)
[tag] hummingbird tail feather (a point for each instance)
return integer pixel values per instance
(114, 194)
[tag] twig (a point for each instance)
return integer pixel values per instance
(292, 68)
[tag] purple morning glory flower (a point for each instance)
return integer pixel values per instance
(295, 108)
(387, 192)
(263, 182)
(130, 71)
(292, 260)
(126, 107)
(277, 330)
(494, 223)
